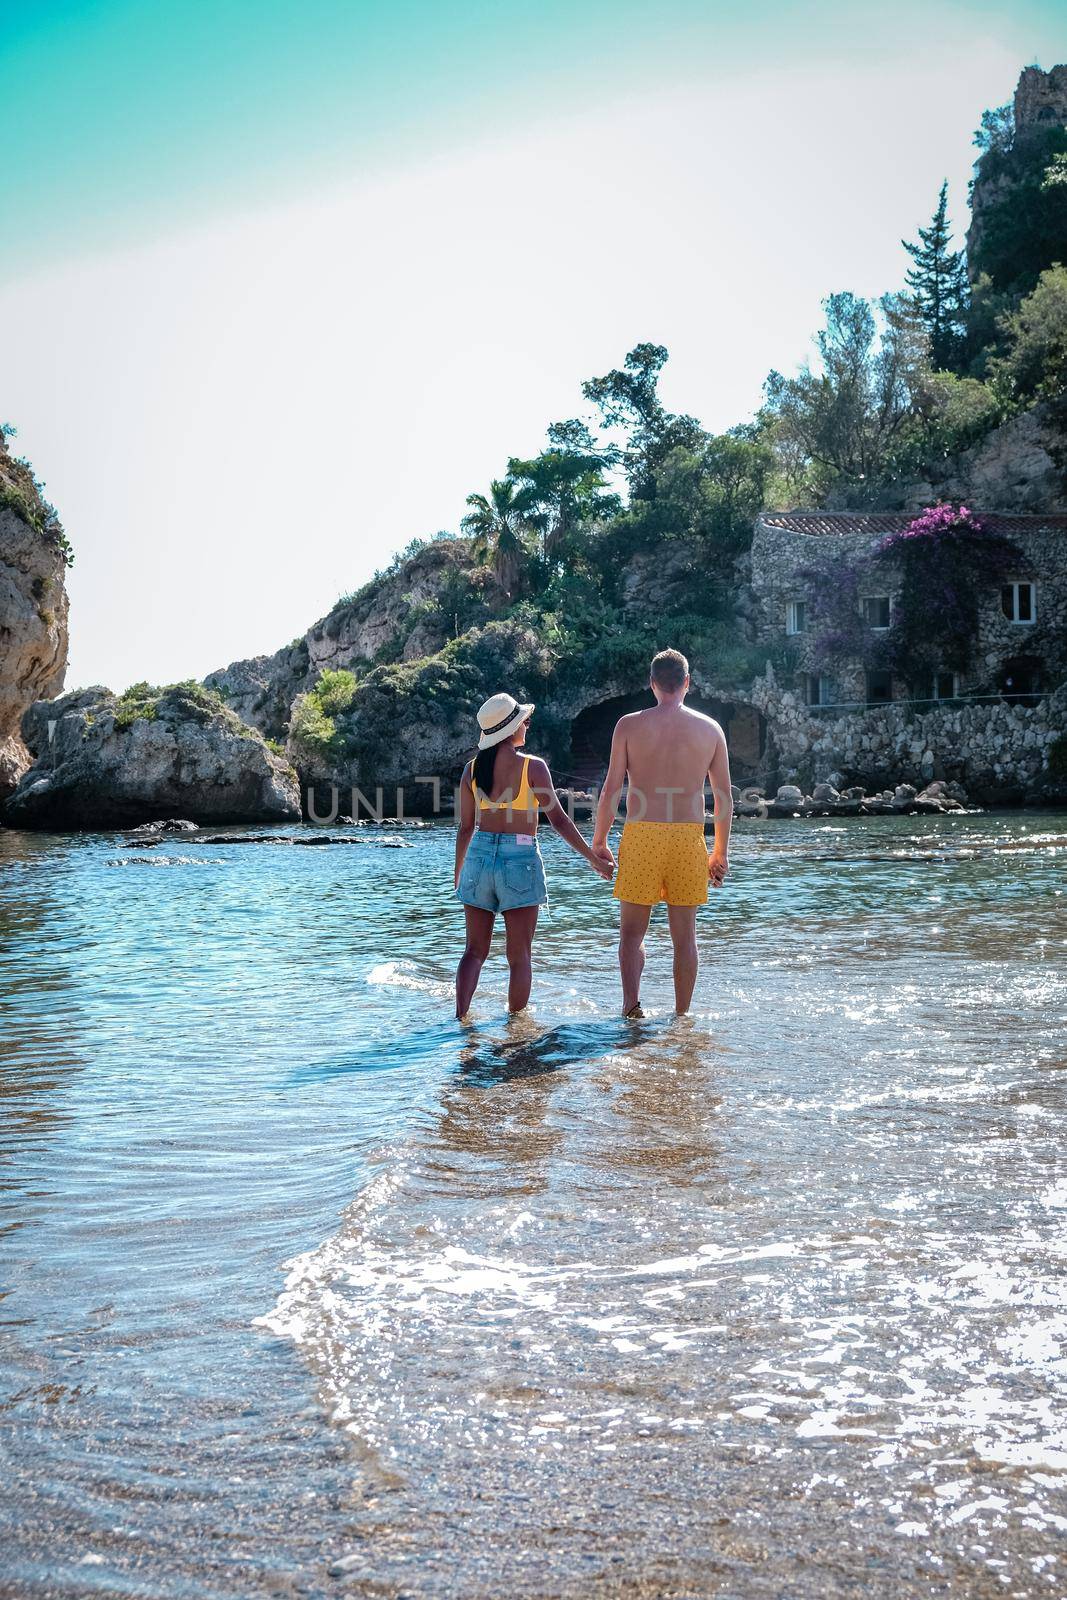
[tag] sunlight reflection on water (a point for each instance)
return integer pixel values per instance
(714, 1303)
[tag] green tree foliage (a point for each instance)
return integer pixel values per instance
(1056, 172)
(988, 306)
(996, 132)
(458, 603)
(952, 412)
(847, 417)
(627, 397)
(1033, 365)
(560, 490)
(710, 491)
(335, 690)
(938, 282)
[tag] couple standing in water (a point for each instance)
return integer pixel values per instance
(663, 756)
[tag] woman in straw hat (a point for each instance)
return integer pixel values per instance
(498, 863)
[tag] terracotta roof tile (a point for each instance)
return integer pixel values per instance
(829, 522)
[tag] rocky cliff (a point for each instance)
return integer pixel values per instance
(407, 613)
(33, 609)
(1019, 466)
(107, 761)
(1009, 175)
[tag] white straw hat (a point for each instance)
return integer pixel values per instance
(499, 717)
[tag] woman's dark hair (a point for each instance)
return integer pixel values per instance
(484, 767)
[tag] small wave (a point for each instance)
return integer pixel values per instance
(406, 975)
(165, 861)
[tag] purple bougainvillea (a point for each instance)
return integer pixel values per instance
(837, 631)
(947, 559)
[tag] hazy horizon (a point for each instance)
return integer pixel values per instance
(281, 291)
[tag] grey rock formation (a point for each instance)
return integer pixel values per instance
(1040, 102)
(104, 762)
(33, 630)
(403, 615)
(1018, 467)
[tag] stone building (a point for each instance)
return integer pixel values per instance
(990, 727)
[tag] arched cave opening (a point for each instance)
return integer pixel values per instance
(591, 730)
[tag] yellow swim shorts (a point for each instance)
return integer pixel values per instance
(663, 861)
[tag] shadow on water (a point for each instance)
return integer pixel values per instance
(511, 1059)
(418, 1048)
(522, 1055)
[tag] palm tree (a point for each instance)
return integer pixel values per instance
(559, 489)
(498, 524)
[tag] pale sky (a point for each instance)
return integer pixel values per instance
(247, 383)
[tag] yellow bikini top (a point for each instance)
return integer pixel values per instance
(525, 800)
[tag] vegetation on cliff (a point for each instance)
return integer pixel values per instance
(189, 701)
(22, 493)
(629, 526)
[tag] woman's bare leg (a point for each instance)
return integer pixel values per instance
(521, 925)
(479, 938)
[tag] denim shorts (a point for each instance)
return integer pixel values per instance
(502, 871)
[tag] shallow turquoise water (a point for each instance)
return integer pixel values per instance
(309, 1290)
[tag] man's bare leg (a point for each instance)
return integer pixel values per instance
(633, 925)
(521, 924)
(682, 921)
(479, 938)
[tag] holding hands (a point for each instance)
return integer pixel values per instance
(602, 861)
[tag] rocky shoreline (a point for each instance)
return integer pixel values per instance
(937, 799)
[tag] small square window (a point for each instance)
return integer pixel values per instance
(879, 687)
(1018, 602)
(876, 610)
(796, 619)
(820, 689)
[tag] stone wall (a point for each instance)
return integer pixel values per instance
(998, 751)
(780, 556)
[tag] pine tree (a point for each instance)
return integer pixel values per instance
(938, 281)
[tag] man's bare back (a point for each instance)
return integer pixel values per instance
(669, 752)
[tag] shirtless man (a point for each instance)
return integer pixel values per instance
(666, 752)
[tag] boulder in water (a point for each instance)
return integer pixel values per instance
(108, 761)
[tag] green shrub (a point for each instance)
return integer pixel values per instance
(37, 514)
(335, 691)
(138, 703)
(142, 702)
(1057, 759)
(311, 727)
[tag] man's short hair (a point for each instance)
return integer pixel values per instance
(669, 670)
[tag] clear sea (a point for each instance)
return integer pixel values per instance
(309, 1290)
